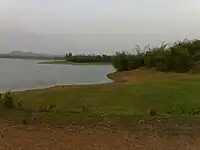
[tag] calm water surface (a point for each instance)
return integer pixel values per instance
(18, 74)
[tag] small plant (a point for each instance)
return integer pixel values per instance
(19, 105)
(7, 99)
(152, 112)
(47, 108)
(52, 107)
(84, 109)
(43, 108)
(24, 121)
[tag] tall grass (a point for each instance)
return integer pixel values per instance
(177, 57)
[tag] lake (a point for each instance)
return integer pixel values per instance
(19, 74)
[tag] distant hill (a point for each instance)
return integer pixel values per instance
(20, 53)
(30, 55)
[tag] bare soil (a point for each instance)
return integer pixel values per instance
(41, 137)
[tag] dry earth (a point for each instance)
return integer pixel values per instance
(41, 137)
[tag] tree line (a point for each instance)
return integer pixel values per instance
(88, 58)
(180, 56)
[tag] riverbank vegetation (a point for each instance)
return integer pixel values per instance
(88, 58)
(180, 56)
(71, 59)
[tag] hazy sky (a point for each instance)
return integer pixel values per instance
(94, 26)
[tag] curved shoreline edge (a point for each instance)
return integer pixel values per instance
(116, 77)
(109, 76)
(59, 86)
(132, 76)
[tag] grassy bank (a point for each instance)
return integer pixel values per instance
(74, 63)
(171, 95)
(166, 93)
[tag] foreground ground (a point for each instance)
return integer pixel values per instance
(30, 137)
(109, 116)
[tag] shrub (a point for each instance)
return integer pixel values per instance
(19, 105)
(52, 107)
(149, 59)
(193, 46)
(121, 61)
(43, 108)
(7, 99)
(180, 60)
(1, 96)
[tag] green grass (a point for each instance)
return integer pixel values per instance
(116, 102)
(73, 63)
(179, 96)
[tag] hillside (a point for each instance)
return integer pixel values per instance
(30, 55)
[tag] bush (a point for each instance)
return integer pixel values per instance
(19, 105)
(7, 99)
(121, 61)
(126, 61)
(1, 96)
(52, 107)
(193, 46)
(180, 60)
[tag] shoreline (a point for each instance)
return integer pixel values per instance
(63, 86)
(134, 77)
(114, 77)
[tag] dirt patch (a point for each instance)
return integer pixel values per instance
(40, 137)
